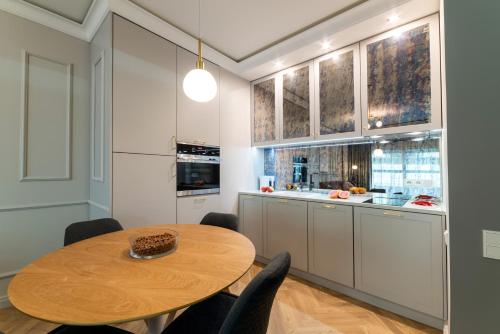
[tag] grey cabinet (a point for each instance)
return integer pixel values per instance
(196, 122)
(399, 256)
(251, 224)
(144, 90)
(285, 229)
(330, 234)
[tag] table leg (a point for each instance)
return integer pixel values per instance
(157, 324)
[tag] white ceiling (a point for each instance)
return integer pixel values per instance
(74, 10)
(240, 29)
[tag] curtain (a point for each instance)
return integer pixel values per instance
(409, 167)
(359, 156)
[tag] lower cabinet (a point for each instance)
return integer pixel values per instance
(399, 256)
(144, 189)
(192, 209)
(250, 215)
(285, 229)
(330, 234)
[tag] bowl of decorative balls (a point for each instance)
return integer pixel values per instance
(153, 245)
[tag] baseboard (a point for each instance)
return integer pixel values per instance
(369, 299)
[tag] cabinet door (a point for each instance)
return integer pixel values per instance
(399, 257)
(331, 242)
(285, 229)
(297, 103)
(196, 122)
(250, 215)
(338, 100)
(192, 209)
(265, 101)
(144, 90)
(400, 76)
(144, 189)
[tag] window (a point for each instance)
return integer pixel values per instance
(409, 167)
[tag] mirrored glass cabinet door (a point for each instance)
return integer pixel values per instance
(338, 113)
(265, 123)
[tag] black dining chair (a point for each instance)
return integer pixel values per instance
(88, 229)
(225, 220)
(226, 313)
(78, 232)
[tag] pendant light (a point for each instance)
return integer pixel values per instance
(199, 84)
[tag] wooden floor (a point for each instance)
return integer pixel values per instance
(300, 307)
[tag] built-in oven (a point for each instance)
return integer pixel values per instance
(198, 170)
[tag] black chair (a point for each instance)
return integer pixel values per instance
(225, 220)
(78, 232)
(88, 229)
(225, 313)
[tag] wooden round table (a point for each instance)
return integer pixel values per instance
(95, 281)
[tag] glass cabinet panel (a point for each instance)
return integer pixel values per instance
(336, 94)
(296, 103)
(402, 78)
(264, 111)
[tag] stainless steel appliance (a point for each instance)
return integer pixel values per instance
(198, 169)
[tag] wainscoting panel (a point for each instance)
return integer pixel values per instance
(97, 137)
(46, 119)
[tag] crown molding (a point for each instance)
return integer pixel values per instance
(358, 23)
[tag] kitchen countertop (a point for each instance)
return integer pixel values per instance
(354, 200)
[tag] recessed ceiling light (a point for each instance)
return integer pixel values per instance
(326, 45)
(393, 18)
(379, 124)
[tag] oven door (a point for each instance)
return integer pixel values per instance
(197, 176)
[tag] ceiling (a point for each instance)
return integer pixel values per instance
(240, 29)
(74, 10)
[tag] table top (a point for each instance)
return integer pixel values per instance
(95, 281)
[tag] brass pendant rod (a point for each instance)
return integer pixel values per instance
(199, 63)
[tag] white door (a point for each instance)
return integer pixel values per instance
(196, 122)
(144, 189)
(144, 91)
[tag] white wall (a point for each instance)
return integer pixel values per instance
(34, 213)
(240, 162)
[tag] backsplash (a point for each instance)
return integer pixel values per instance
(408, 166)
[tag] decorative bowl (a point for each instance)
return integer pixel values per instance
(153, 245)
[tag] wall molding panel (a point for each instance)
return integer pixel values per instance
(97, 117)
(99, 206)
(40, 99)
(41, 206)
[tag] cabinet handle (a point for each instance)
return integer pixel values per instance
(173, 170)
(173, 143)
(199, 200)
(283, 201)
(328, 206)
(393, 213)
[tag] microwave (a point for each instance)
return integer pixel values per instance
(198, 169)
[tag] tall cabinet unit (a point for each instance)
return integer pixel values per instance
(144, 126)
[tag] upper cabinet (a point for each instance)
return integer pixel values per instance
(197, 123)
(297, 103)
(265, 124)
(144, 90)
(338, 111)
(400, 79)
(390, 83)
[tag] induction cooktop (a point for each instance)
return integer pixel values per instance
(388, 200)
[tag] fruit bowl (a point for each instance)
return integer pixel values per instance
(153, 245)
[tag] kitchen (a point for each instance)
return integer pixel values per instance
(340, 140)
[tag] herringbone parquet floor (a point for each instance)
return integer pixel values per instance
(299, 307)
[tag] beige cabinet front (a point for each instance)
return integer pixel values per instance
(197, 122)
(399, 257)
(285, 229)
(144, 189)
(330, 236)
(144, 90)
(192, 209)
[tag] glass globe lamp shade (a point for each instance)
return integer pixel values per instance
(199, 85)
